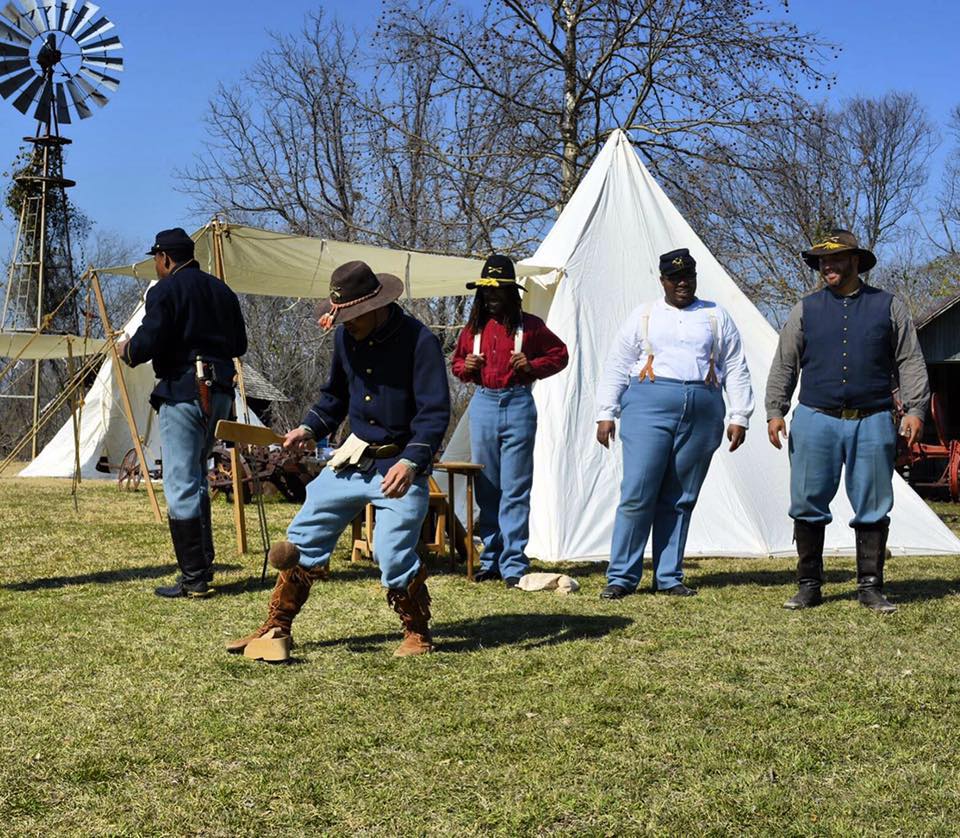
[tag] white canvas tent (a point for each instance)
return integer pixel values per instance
(605, 243)
(103, 426)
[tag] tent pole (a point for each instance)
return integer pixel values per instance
(76, 426)
(125, 396)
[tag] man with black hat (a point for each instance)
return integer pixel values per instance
(851, 341)
(504, 350)
(663, 378)
(192, 329)
(389, 377)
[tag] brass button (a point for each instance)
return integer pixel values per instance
(369, 370)
(373, 422)
(367, 398)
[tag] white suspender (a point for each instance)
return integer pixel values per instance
(517, 341)
(646, 347)
(645, 344)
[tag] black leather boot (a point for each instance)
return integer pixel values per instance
(809, 538)
(871, 552)
(208, 552)
(187, 535)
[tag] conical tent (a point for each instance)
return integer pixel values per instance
(103, 425)
(606, 243)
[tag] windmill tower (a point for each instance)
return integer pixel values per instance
(56, 59)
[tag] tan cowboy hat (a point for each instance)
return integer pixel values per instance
(354, 290)
(839, 241)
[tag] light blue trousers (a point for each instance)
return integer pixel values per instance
(186, 439)
(669, 430)
(820, 445)
(335, 498)
(503, 429)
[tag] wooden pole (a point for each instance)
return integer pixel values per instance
(239, 512)
(239, 519)
(76, 424)
(125, 396)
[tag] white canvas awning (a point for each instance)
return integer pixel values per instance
(283, 265)
(30, 346)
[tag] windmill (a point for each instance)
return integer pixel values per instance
(57, 58)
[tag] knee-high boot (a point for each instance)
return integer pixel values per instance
(809, 538)
(187, 536)
(871, 553)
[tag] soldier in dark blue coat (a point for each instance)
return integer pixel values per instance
(389, 378)
(192, 329)
(853, 343)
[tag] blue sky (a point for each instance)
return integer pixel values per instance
(176, 52)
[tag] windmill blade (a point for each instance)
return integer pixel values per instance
(23, 102)
(42, 113)
(63, 112)
(20, 20)
(11, 65)
(14, 83)
(106, 62)
(11, 52)
(82, 110)
(96, 29)
(52, 8)
(36, 15)
(84, 15)
(67, 16)
(11, 33)
(91, 93)
(100, 78)
(106, 45)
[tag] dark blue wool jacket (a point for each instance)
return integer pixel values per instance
(848, 350)
(392, 385)
(188, 314)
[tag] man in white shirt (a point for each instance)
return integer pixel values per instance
(663, 378)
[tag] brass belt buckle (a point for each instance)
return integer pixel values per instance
(849, 413)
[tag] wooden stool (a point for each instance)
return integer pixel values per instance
(432, 533)
(469, 471)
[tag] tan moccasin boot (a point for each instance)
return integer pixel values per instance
(413, 606)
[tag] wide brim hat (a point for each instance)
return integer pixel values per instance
(839, 241)
(355, 290)
(498, 272)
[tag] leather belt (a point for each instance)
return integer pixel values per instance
(851, 412)
(383, 452)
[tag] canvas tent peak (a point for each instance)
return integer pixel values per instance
(273, 263)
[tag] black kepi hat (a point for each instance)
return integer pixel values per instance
(354, 290)
(839, 241)
(498, 272)
(675, 262)
(172, 241)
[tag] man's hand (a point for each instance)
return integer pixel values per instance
(911, 429)
(606, 432)
(520, 363)
(297, 439)
(474, 363)
(736, 434)
(397, 480)
(122, 348)
(776, 428)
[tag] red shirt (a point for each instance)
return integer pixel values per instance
(546, 353)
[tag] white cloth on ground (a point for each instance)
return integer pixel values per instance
(557, 582)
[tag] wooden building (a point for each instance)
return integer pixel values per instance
(938, 329)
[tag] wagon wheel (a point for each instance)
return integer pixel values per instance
(129, 475)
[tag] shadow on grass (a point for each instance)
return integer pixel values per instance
(901, 591)
(765, 578)
(530, 631)
(101, 577)
(342, 574)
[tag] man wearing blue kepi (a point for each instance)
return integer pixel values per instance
(388, 376)
(663, 378)
(852, 342)
(192, 329)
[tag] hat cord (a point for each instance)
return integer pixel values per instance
(327, 320)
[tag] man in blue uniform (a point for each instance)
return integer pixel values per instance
(853, 343)
(192, 329)
(389, 378)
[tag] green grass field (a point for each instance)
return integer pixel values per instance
(538, 715)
